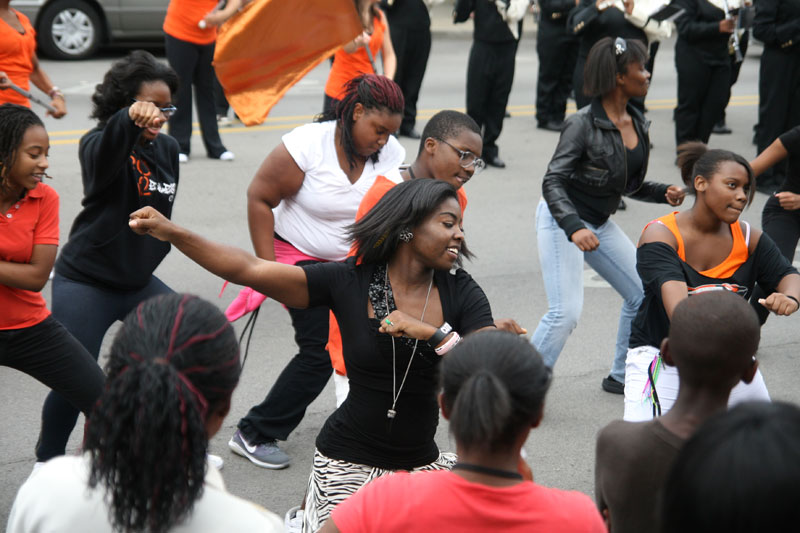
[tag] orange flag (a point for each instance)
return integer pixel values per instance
(271, 44)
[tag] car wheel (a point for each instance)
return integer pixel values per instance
(69, 29)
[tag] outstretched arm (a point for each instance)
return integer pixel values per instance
(285, 283)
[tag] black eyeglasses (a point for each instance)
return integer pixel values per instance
(467, 158)
(620, 46)
(168, 110)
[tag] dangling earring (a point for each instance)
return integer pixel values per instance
(406, 235)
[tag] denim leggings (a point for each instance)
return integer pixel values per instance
(562, 270)
(87, 311)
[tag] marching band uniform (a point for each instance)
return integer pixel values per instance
(558, 51)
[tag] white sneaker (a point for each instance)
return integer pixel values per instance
(183, 158)
(223, 120)
(227, 155)
(293, 521)
(215, 460)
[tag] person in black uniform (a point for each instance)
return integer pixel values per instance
(704, 68)
(777, 25)
(558, 51)
(490, 71)
(721, 127)
(410, 29)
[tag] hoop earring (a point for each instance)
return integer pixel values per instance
(406, 235)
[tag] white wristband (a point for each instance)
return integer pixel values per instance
(449, 344)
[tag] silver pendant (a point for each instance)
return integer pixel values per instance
(391, 413)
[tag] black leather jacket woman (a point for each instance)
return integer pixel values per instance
(588, 173)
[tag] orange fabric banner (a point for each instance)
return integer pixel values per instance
(271, 44)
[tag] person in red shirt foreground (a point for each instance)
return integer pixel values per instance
(493, 389)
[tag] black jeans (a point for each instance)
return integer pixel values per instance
(490, 74)
(300, 382)
(48, 353)
(86, 311)
(192, 63)
(783, 227)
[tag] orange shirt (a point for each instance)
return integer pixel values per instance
(375, 193)
(31, 221)
(348, 66)
(182, 19)
(17, 51)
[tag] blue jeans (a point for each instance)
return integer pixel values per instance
(86, 311)
(562, 270)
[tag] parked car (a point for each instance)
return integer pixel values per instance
(74, 29)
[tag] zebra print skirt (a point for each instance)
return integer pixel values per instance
(332, 481)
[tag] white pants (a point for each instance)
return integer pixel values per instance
(638, 398)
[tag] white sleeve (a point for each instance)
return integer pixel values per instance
(392, 156)
(304, 145)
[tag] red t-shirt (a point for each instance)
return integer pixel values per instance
(17, 51)
(444, 502)
(182, 19)
(31, 221)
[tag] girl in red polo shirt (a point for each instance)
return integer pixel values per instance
(30, 339)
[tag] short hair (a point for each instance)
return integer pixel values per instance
(14, 122)
(174, 361)
(493, 387)
(447, 124)
(739, 473)
(712, 338)
(404, 206)
(123, 81)
(604, 63)
(373, 92)
(696, 159)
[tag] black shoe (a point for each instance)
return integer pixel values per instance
(551, 125)
(613, 386)
(720, 128)
(622, 205)
(495, 162)
(411, 133)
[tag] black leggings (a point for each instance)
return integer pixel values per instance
(783, 227)
(48, 353)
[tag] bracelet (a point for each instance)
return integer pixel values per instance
(793, 298)
(449, 345)
(54, 92)
(439, 336)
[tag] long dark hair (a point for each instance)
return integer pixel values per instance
(493, 386)
(373, 92)
(14, 122)
(696, 159)
(174, 361)
(404, 206)
(606, 59)
(123, 80)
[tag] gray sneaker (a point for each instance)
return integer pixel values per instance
(266, 455)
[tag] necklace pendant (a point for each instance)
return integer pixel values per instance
(391, 413)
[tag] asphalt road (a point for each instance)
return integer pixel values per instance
(500, 229)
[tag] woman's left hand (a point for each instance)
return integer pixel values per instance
(779, 303)
(510, 325)
(60, 107)
(399, 324)
(148, 221)
(788, 200)
(675, 195)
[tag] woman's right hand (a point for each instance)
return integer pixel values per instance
(585, 240)
(146, 115)
(148, 221)
(788, 200)
(727, 25)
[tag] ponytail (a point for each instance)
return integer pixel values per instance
(696, 159)
(493, 387)
(174, 361)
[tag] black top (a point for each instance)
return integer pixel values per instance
(658, 263)
(411, 14)
(586, 176)
(698, 32)
(119, 177)
(359, 430)
(791, 141)
(592, 25)
(634, 160)
(489, 25)
(777, 24)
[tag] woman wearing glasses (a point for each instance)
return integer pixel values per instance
(601, 155)
(104, 271)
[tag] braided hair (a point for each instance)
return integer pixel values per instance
(373, 92)
(174, 361)
(14, 122)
